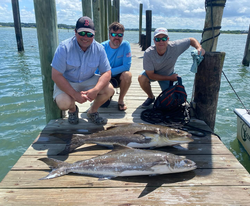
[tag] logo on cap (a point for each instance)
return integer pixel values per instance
(86, 23)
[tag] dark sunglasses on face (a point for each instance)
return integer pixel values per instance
(159, 39)
(83, 33)
(114, 34)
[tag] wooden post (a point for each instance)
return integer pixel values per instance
(114, 13)
(87, 8)
(17, 24)
(47, 34)
(102, 13)
(97, 19)
(214, 11)
(117, 10)
(148, 28)
(140, 23)
(143, 40)
(246, 58)
(207, 86)
(106, 20)
(109, 13)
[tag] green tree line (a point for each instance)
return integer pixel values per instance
(64, 26)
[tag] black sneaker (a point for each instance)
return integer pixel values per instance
(148, 102)
(73, 117)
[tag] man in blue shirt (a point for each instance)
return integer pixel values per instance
(73, 71)
(119, 56)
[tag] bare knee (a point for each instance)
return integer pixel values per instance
(126, 77)
(64, 101)
(143, 79)
(108, 90)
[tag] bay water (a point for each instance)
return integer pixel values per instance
(22, 113)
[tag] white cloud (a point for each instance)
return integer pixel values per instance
(180, 14)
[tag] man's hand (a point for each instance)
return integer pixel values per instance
(90, 95)
(80, 98)
(201, 51)
(173, 77)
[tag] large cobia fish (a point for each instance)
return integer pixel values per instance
(122, 161)
(136, 135)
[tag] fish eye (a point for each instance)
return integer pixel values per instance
(178, 131)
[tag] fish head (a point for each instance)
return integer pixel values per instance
(180, 164)
(176, 135)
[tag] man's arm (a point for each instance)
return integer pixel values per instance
(126, 60)
(194, 43)
(159, 77)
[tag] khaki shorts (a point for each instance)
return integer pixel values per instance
(83, 86)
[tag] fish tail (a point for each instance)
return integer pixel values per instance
(57, 166)
(76, 141)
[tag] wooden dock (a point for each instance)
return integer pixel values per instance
(218, 180)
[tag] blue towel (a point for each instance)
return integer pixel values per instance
(197, 59)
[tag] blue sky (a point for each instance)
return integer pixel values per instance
(179, 14)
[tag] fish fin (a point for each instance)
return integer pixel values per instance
(120, 147)
(57, 168)
(105, 178)
(76, 141)
(53, 163)
(141, 132)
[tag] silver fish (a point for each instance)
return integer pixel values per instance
(122, 161)
(136, 135)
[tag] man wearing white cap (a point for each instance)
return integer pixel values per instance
(159, 61)
(73, 71)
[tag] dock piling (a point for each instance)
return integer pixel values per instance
(17, 24)
(246, 57)
(207, 86)
(140, 23)
(214, 12)
(47, 34)
(87, 8)
(148, 28)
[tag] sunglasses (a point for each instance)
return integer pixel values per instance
(114, 34)
(159, 39)
(83, 33)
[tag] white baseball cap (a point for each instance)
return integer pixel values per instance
(160, 30)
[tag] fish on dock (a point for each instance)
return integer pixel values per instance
(122, 161)
(136, 135)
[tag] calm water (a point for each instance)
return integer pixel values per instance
(22, 115)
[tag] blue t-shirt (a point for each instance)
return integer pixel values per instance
(120, 58)
(77, 65)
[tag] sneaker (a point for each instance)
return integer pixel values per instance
(95, 118)
(148, 102)
(73, 117)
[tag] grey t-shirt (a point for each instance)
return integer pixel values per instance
(164, 65)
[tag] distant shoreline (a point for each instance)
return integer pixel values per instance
(64, 26)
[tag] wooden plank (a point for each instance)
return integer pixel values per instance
(211, 195)
(184, 149)
(198, 177)
(202, 161)
(55, 138)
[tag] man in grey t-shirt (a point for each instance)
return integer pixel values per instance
(159, 61)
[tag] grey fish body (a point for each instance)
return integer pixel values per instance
(122, 161)
(133, 135)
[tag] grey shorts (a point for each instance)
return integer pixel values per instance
(82, 86)
(163, 84)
